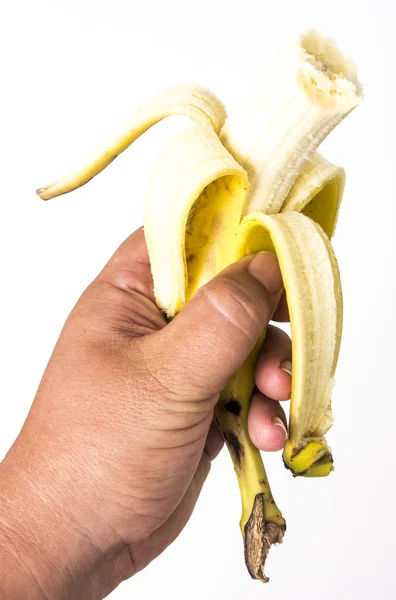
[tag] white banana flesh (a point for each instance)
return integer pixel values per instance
(222, 191)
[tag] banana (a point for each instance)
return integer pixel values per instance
(234, 185)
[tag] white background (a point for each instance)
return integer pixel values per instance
(72, 71)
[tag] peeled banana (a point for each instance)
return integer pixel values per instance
(232, 186)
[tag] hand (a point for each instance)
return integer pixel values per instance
(118, 443)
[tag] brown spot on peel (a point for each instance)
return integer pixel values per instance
(233, 407)
(234, 445)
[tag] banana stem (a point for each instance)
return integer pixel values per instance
(261, 523)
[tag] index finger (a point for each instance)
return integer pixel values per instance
(129, 267)
(281, 313)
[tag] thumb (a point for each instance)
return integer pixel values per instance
(213, 334)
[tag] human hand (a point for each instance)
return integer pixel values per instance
(118, 443)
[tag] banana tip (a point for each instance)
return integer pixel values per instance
(260, 535)
(44, 193)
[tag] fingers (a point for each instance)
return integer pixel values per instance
(120, 301)
(211, 337)
(267, 423)
(129, 267)
(281, 313)
(273, 370)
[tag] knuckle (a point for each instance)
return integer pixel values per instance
(237, 304)
(107, 309)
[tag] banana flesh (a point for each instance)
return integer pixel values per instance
(316, 88)
(229, 187)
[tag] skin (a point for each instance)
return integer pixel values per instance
(110, 461)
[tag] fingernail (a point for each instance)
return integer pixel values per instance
(279, 423)
(286, 366)
(265, 268)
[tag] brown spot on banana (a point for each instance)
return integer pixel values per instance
(234, 445)
(233, 407)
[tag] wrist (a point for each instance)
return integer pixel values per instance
(46, 551)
